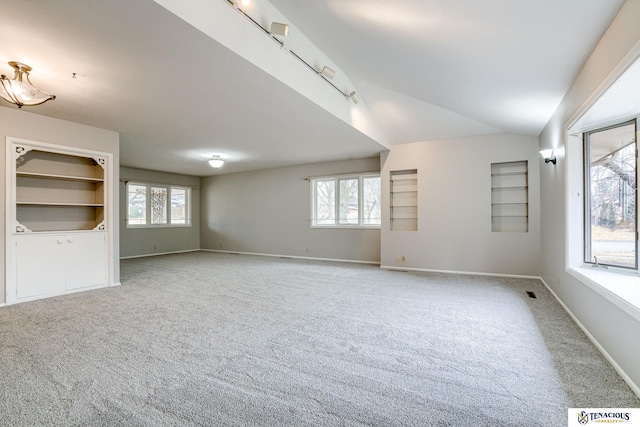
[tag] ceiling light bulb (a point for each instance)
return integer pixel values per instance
(246, 2)
(216, 162)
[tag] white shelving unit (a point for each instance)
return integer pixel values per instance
(404, 200)
(509, 197)
(58, 237)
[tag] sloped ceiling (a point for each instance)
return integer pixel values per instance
(424, 69)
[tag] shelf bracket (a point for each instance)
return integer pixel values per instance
(100, 161)
(21, 228)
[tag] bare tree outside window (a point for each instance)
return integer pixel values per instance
(158, 205)
(371, 199)
(610, 187)
(346, 201)
(137, 204)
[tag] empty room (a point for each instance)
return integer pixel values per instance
(276, 212)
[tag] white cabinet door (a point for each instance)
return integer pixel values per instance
(40, 265)
(86, 260)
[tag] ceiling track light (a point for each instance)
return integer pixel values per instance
(327, 72)
(280, 29)
(216, 162)
(19, 90)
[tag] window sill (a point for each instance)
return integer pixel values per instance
(345, 227)
(621, 289)
(131, 227)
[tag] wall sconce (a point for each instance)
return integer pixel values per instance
(216, 162)
(548, 155)
(19, 90)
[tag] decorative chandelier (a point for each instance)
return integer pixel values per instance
(20, 90)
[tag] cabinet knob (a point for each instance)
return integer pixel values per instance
(60, 242)
(70, 241)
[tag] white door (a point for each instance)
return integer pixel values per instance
(40, 265)
(86, 259)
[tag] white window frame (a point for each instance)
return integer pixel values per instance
(586, 237)
(337, 179)
(169, 224)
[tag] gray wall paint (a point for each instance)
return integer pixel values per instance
(268, 212)
(454, 207)
(149, 241)
(26, 125)
(613, 328)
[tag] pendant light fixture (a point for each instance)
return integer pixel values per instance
(20, 90)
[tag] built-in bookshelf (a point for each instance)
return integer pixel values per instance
(404, 200)
(509, 197)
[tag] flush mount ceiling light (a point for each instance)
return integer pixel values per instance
(216, 162)
(279, 29)
(327, 72)
(19, 90)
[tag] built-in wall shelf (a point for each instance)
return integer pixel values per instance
(57, 237)
(509, 197)
(404, 200)
(58, 191)
(61, 177)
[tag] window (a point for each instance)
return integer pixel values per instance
(152, 205)
(345, 201)
(610, 202)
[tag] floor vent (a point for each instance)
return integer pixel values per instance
(531, 294)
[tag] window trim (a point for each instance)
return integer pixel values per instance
(337, 178)
(188, 222)
(586, 182)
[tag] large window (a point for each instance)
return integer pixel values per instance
(345, 201)
(610, 164)
(151, 205)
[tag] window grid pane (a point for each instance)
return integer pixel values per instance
(137, 204)
(349, 201)
(178, 205)
(371, 208)
(158, 205)
(325, 210)
(611, 203)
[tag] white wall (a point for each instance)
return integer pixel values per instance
(454, 207)
(268, 212)
(26, 125)
(149, 241)
(615, 330)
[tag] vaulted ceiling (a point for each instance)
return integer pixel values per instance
(424, 69)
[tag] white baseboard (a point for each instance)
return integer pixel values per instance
(466, 273)
(293, 257)
(160, 253)
(634, 387)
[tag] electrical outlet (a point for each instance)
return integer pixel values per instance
(401, 258)
(306, 250)
(220, 244)
(155, 247)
